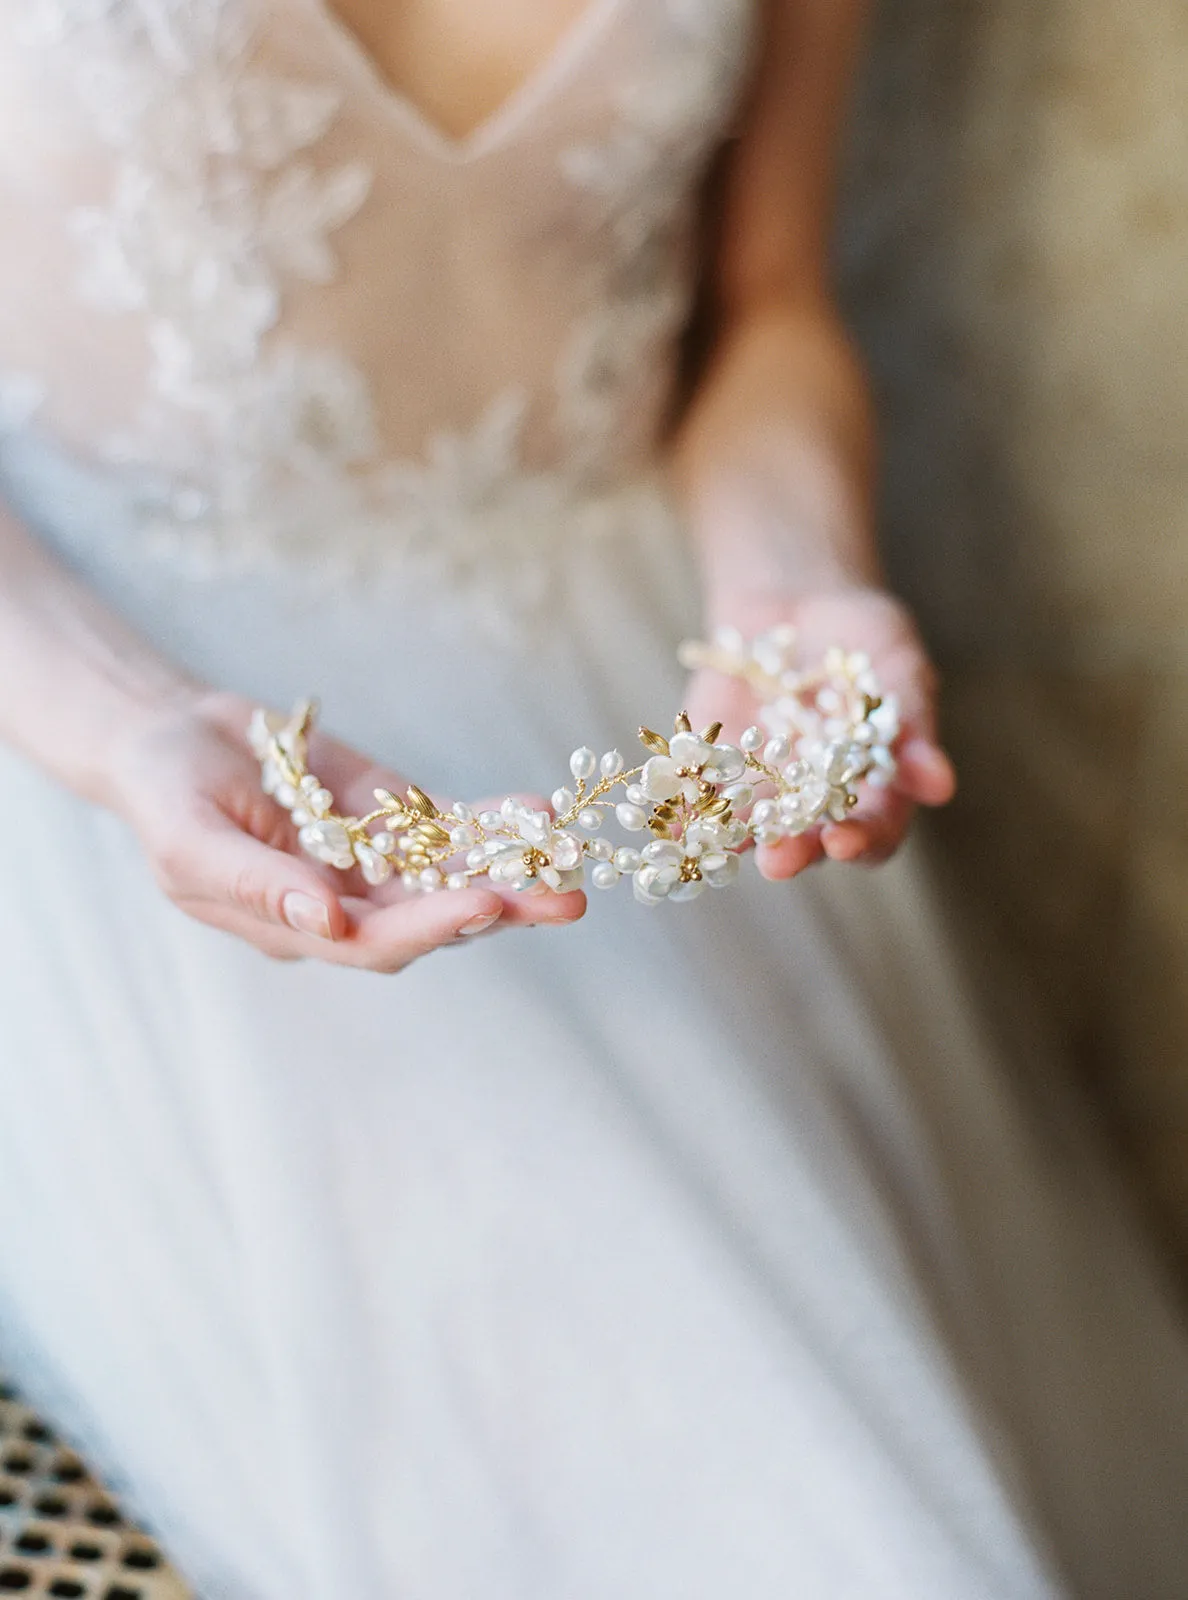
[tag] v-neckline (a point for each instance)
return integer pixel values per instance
(532, 90)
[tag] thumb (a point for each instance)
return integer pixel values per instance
(226, 866)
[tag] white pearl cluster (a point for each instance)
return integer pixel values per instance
(699, 799)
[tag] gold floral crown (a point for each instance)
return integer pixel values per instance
(701, 801)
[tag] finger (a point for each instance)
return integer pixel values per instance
(924, 772)
(387, 938)
(384, 941)
(546, 909)
(279, 944)
(787, 857)
(873, 833)
(214, 861)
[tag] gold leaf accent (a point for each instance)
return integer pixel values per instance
(659, 827)
(710, 734)
(682, 724)
(305, 716)
(421, 801)
(870, 702)
(387, 798)
(654, 742)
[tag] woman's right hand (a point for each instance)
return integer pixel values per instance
(187, 782)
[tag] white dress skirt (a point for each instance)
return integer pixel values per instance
(711, 1251)
(716, 1252)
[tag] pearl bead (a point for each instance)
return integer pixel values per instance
(462, 811)
(563, 799)
(605, 875)
(600, 850)
(635, 795)
(778, 750)
(376, 869)
(687, 750)
(662, 852)
(582, 763)
(611, 764)
(740, 794)
(630, 817)
(457, 880)
(490, 819)
(506, 866)
(589, 820)
(384, 842)
(430, 879)
(835, 763)
(627, 860)
(566, 852)
(331, 837)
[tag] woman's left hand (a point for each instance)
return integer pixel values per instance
(856, 618)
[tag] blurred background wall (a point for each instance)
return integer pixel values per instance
(1014, 254)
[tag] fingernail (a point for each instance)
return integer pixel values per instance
(304, 914)
(479, 924)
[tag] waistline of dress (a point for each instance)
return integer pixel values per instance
(498, 559)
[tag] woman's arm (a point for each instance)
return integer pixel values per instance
(776, 455)
(78, 684)
(777, 452)
(93, 705)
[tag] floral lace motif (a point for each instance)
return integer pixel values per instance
(249, 446)
(642, 180)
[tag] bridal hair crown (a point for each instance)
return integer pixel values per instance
(693, 804)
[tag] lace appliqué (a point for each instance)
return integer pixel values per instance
(215, 204)
(253, 451)
(642, 181)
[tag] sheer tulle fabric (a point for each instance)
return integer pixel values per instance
(705, 1255)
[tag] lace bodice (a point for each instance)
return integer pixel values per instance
(247, 277)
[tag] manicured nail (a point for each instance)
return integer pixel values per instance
(304, 914)
(479, 924)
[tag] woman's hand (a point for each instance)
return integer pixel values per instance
(188, 783)
(857, 618)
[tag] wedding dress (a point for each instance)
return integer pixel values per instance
(709, 1253)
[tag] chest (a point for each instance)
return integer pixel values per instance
(458, 61)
